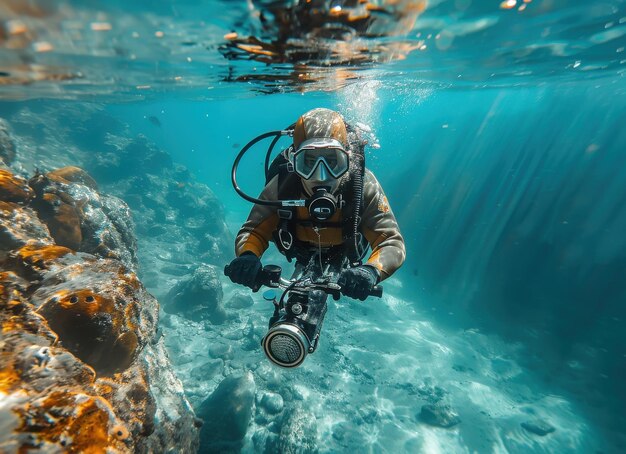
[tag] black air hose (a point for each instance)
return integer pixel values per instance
(358, 199)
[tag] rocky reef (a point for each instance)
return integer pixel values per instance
(179, 222)
(85, 243)
(82, 367)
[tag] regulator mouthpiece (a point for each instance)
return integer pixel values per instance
(322, 205)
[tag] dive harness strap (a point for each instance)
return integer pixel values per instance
(290, 188)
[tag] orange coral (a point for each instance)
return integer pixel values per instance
(62, 219)
(14, 188)
(71, 326)
(9, 377)
(137, 401)
(9, 282)
(78, 422)
(33, 323)
(8, 207)
(72, 174)
(39, 257)
(91, 326)
(58, 210)
(35, 8)
(66, 416)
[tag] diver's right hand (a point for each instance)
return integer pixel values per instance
(245, 269)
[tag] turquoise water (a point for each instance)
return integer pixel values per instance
(501, 149)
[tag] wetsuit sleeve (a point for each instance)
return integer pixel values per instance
(380, 227)
(256, 232)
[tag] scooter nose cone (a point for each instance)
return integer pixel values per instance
(286, 345)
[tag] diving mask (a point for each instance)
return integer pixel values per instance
(320, 151)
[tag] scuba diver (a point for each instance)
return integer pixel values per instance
(320, 206)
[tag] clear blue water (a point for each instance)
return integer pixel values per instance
(501, 148)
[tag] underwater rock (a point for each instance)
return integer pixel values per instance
(252, 336)
(82, 369)
(94, 307)
(240, 300)
(80, 218)
(198, 297)
(91, 127)
(130, 394)
(298, 432)
(538, 426)
(222, 351)
(54, 404)
(108, 230)
(180, 211)
(58, 210)
(7, 146)
(441, 415)
(272, 403)
(176, 427)
(126, 157)
(192, 199)
(35, 259)
(207, 370)
(232, 401)
(14, 188)
(72, 174)
(150, 158)
(348, 435)
(18, 226)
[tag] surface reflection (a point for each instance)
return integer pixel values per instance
(73, 48)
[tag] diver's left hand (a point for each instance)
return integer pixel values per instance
(358, 282)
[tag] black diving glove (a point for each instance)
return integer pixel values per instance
(245, 269)
(358, 282)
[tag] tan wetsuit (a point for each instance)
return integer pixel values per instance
(378, 224)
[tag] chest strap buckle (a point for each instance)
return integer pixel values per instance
(285, 214)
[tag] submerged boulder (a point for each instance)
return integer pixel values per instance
(19, 225)
(58, 210)
(198, 297)
(298, 433)
(240, 300)
(122, 161)
(81, 218)
(82, 368)
(7, 146)
(538, 427)
(232, 401)
(72, 174)
(436, 412)
(440, 414)
(94, 307)
(272, 403)
(14, 188)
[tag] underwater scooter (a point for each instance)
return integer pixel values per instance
(295, 325)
